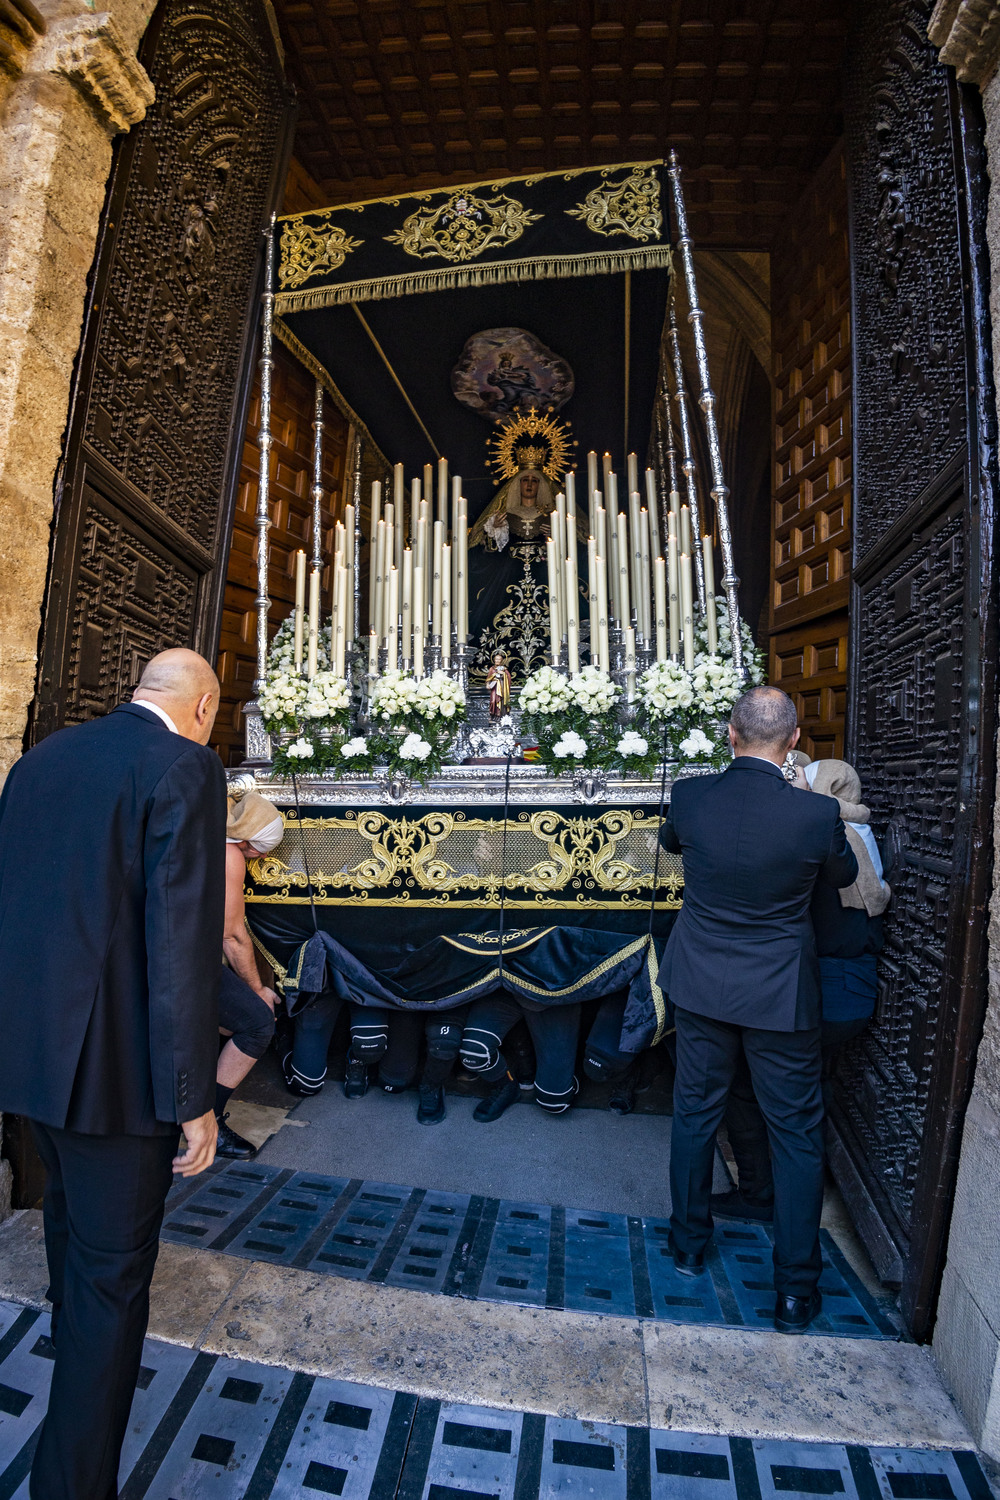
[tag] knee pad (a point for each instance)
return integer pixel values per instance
(369, 1043)
(255, 1041)
(556, 1104)
(480, 1051)
(443, 1042)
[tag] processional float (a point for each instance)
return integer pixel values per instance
(650, 552)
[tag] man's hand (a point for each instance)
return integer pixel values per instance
(268, 996)
(201, 1136)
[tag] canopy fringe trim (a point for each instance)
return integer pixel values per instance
(603, 263)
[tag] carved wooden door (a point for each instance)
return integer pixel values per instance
(156, 421)
(921, 723)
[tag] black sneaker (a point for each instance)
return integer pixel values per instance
(622, 1101)
(393, 1088)
(355, 1079)
(499, 1099)
(231, 1145)
(431, 1110)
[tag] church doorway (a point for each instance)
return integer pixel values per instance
(837, 217)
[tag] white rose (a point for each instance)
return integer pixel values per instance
(301, 750)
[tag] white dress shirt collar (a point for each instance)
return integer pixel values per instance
(161, 713)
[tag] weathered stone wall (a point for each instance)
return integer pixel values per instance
(967, 1335)
(69, 83)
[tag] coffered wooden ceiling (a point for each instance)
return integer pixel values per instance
(396, 96)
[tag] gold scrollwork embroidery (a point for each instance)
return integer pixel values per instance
(630, 206)
(463, 227)
(445, 857)
(307, 248)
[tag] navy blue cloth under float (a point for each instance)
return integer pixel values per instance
(539, 967)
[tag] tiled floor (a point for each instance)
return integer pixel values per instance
(210, 1428)
(475, 1247)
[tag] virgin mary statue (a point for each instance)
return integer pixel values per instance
(520, 509)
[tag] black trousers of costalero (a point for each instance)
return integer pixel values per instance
(785, 1067)
(104, 1200)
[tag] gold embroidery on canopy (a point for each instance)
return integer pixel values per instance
(630, 206)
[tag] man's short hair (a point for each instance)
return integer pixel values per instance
(764, 716)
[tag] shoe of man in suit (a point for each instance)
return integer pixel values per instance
(686, 1262)
(794, 1314)
(733, 1205)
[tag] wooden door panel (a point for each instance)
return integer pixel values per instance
(923, 647)
(810, 663)
(146, 484)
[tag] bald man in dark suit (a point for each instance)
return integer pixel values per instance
(112, 883)
(741, 969)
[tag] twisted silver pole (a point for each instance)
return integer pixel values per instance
(358, 453)
(688, 465)
(720, 494)
(263, 515)
(317, 484)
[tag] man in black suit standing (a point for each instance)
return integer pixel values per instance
(741, 969)
(112, 883)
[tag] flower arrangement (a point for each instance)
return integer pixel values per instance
(415, 722)
(685, 712)
(573, 719)
(753, 658)
(306, 717)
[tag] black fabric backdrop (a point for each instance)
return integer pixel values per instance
(583, 320)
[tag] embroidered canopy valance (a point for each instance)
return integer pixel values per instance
(587, 222)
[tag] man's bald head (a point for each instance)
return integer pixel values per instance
(186, 687)
(763, 723)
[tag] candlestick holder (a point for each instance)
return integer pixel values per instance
(432, 654)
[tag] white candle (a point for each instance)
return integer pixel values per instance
(300, 606)
(653, 506)
(684, 535)
(393, 658)
(378, 579)
(646, 577)
(429, 483)
(572, 595)
(407, 611)
(616, 577)
(611, 491)
(442, 505)
(555, 635)
(420, 550)
(462, 573)
(372, 654)
(411, 534)
(601, 528)
(387, 563)
(398, 483)
(445, 605)
(591, 471)
(602, 614)
(675, 508)
(711, 620)
(438, 561)
(606, 470)
(687, 615)
(344, 623)
(660, 594)
(632, 464)
(635, 555)
(418, 616)
(629, 664)
(313, 622)
(372, 538)
(626, 615)
(571, 491)
(673, 593)
(595, 641)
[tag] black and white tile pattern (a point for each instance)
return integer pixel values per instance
(533, 1254)
(210, 1428)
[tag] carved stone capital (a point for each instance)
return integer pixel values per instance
(91, 52)
(967, 35)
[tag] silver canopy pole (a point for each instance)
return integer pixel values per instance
(688, 464)
(263, 516)
(720, 494)
(317, 484)
(358, 457)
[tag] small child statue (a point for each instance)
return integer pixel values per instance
(498, 682)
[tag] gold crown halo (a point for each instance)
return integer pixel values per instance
(550, 451)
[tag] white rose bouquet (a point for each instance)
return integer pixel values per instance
(753, 658)
(574, 720)
(306, 717)
(416, 721)
(684, 712)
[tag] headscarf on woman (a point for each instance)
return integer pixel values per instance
(835, 778)
(251, 818)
